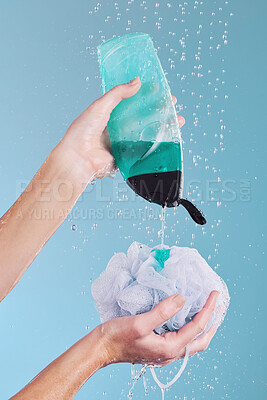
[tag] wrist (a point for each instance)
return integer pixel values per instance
(110, 343)
(105, 347)
(94, 354)
(76, 167)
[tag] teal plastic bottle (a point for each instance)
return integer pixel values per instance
(144, 129)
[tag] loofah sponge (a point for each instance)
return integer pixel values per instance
(134, 283)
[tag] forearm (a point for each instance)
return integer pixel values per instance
(35, 216)
(64, 377)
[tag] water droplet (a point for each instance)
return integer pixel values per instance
(74, 227)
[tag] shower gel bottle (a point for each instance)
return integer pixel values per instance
(144, 129)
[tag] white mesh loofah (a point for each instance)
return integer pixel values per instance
(136, 282)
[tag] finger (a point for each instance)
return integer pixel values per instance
(202, 343)
(112, 98)
(163, 311)
(198, 324)
(181, 121)
(174, 100)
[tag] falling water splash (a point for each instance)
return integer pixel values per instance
(135, 378)
(145, 385)
(162, 231)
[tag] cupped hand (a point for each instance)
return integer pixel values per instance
(132, 339)
(87, 137)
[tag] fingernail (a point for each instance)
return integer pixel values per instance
(178, 299)
(181, 120)
(215, 295)
(134, 81)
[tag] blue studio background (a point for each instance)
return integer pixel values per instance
(214, 58)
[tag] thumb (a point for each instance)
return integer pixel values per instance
(113, 97)
(163, 311)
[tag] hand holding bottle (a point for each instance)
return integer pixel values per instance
(87, 137)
